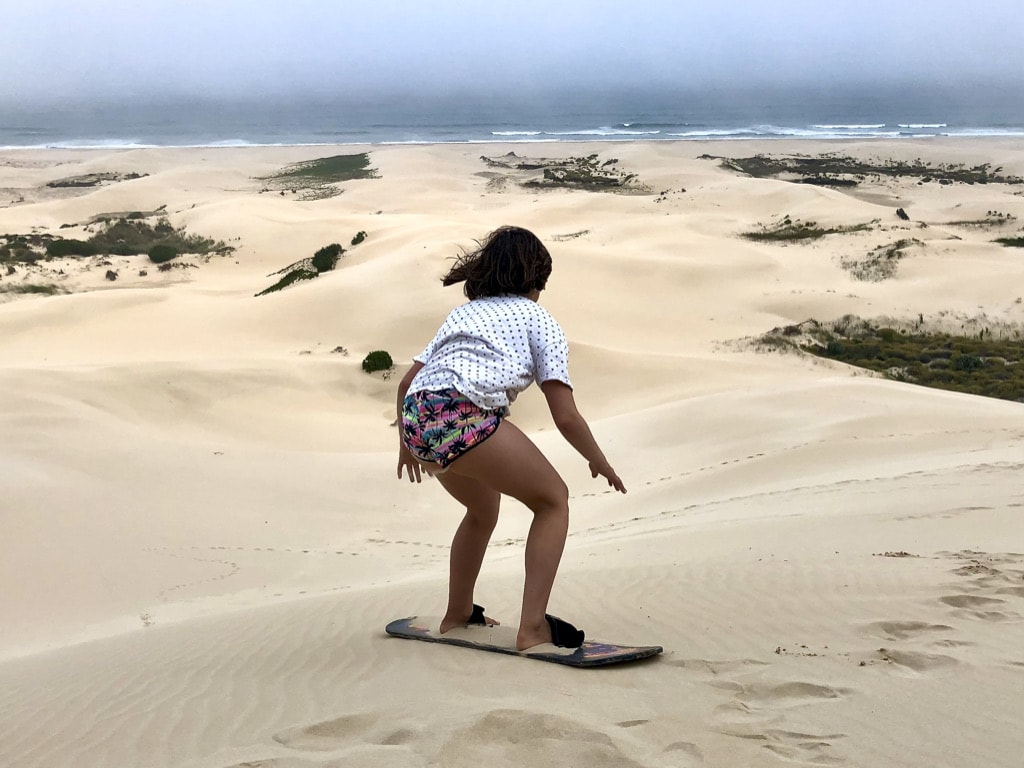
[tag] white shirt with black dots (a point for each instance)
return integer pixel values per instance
(491, 349)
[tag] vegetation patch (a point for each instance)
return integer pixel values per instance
(318, 179)
(991, 219)
(1011, 242)
(988, 364)
(570, 236)
(881, 262)
(588, 173)
(841, 171)
(23, 249)
(40, 289)
(324, 260)
(93, 180)
(794, 230)
(117, 237)
(128, 237)
(106, 218)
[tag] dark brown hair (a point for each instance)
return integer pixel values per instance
(510, 260)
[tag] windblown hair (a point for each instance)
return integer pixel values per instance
(510, 260)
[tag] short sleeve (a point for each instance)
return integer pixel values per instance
(428, 351)
(551, 352)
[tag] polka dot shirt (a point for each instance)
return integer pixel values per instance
(491, 349)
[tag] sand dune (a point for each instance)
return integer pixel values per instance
(203, 538)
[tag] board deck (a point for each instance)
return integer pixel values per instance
(502, 640)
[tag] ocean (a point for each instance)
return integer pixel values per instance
(851, 112)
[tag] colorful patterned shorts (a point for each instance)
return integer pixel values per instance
(438, 427)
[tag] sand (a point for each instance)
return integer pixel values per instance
(203, 537)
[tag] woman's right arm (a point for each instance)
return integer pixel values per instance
(576, 431)
(403, 386)
(405, 458)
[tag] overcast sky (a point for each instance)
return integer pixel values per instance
(60, 49)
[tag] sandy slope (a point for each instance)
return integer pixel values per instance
(202, 536)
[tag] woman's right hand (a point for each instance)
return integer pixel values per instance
(575, 429)
(409, 463)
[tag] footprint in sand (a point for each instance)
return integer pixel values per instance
(755, 706)
(738, 718)
(794, 746)
(684, 748)
(977, 569)
(803, 747)
(988, 574)
(519, 737)
(947, 642)
(343, 732)
(795, 694)
(687, 748)
(917, 661)
(329, 735)
(971, 601)
(979, 607)
(904, 630)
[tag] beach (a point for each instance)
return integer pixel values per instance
(203, 535)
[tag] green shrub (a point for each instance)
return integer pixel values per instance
(327, 257)
(68, 247)
(378, 360)
(360, 236)
(968, 363)
(160, 253)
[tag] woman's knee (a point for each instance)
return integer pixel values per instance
(552, 499)
(484, 516)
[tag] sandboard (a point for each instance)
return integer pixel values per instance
(500, 639)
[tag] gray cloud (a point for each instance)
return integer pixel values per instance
(56, 49)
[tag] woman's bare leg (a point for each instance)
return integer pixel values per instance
(469, 544)
(510, 463)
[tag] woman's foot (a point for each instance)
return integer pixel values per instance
(531, 635)
(553, 630)
(455, 619)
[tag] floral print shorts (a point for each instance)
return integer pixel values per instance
(438, 427)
